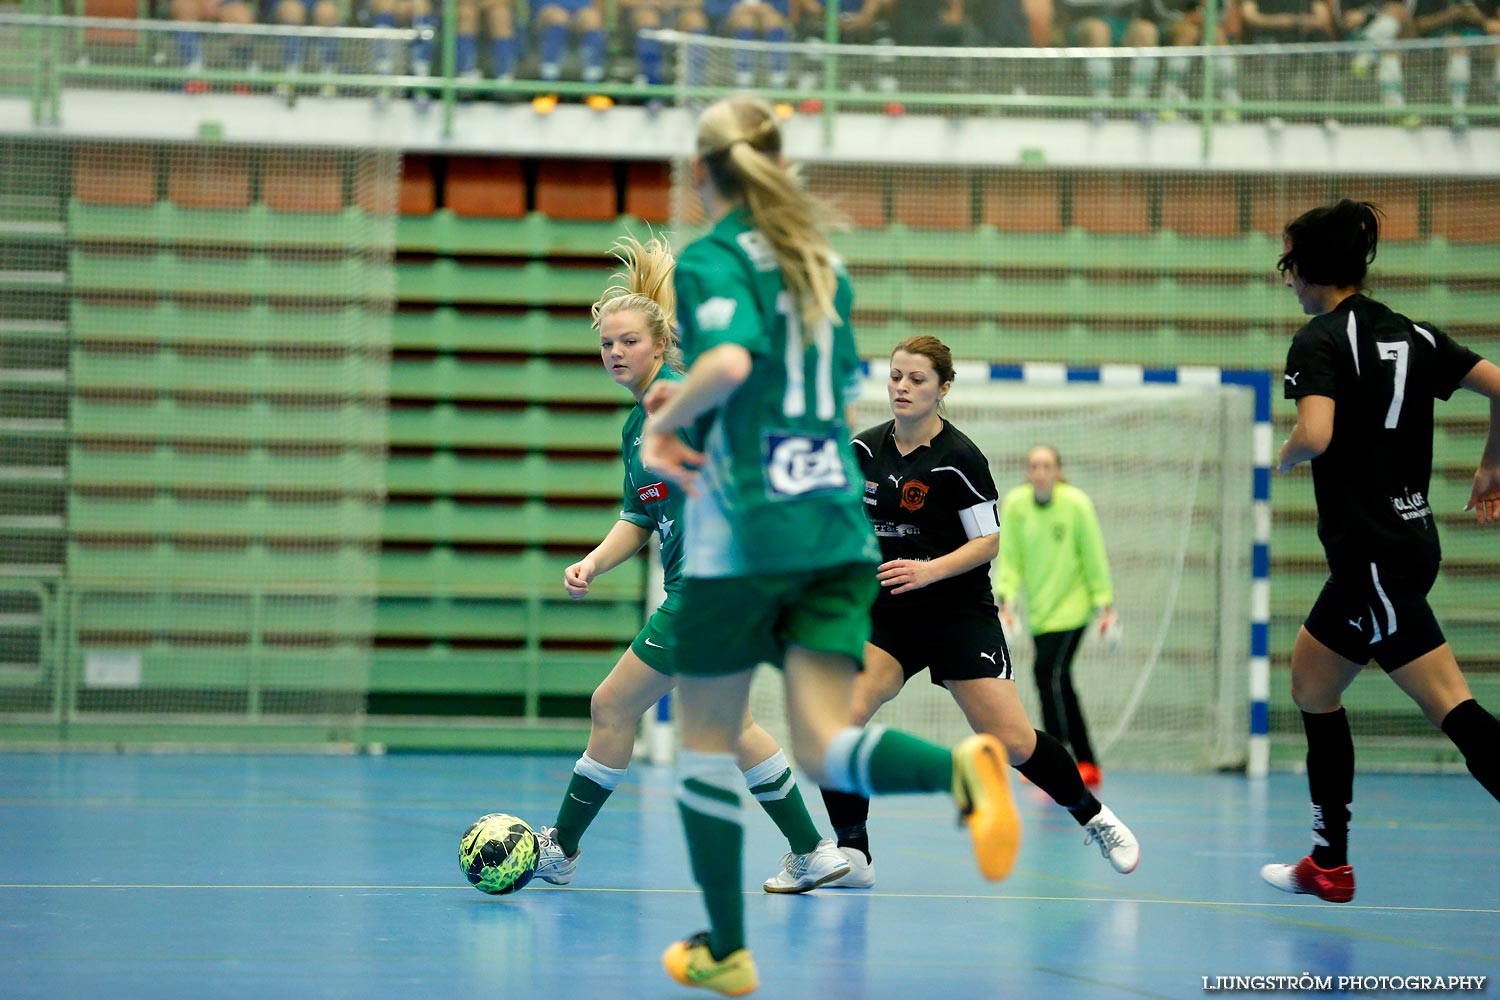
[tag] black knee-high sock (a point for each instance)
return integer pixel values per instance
(848, 813)
(1052, 769)
(1476, 733)
(1330, 782)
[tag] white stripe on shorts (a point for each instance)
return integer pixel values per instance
(1390, 612)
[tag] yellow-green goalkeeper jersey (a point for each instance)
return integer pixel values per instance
(649, 501)
(781, 488)
(1054, 552)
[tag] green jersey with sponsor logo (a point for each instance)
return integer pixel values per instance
(650, 502)
(780, 486)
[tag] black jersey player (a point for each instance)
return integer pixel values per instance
(931, 500)
(1365, 379)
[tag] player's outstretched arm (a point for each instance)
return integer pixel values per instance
(623, 541)
(1484, 498)
(1311, 436)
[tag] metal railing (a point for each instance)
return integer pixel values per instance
(55, 51)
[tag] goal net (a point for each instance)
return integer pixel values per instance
(1169, 471)
(194, 362)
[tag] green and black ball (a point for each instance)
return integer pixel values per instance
(498, 854)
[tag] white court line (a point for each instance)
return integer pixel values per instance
(756, 892)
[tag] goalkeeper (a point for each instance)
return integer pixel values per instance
(1051, 548)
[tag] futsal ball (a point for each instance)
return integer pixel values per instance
(498, 854)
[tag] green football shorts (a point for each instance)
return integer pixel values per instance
(657, 642)
(734, 623)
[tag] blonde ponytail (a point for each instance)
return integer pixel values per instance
(739, 142)
(645, 286)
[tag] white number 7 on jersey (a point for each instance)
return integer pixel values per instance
(1398, 353)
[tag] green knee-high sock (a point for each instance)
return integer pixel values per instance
(710, 809)
(587, 792)
(876, 760)
(775, 788)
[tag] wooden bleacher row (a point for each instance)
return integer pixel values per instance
(1025, 201)
(1105, 203)
(564, 332)
(227, 179)
(183, 518)
(982, 246)
(230, 179)
(166, 467)
(434, 627)
(1230, 301)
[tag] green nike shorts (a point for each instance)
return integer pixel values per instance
(732, 624)
(657, 642)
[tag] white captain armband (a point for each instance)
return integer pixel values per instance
(980, 520)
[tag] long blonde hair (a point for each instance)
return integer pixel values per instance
(645, 286)
(739, 142)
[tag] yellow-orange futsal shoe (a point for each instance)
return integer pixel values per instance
(692, 964)
(982, 788)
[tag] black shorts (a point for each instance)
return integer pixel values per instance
(1377, 612)
(952, 646)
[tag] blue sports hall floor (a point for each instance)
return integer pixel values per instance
(280, 877)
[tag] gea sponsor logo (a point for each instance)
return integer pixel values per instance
(798, 465)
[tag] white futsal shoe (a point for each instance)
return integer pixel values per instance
(861, 871)
(1116, 842)
(552, 865)
(801, 872)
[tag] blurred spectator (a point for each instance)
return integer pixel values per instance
(1012, 24)
(1107, 24)
(416, 14)
(1181, 24)
(1452, 19)
(1266, 21)
(190, 43)
(933, 22)
(683, 15)
(295, 13)
(748, 20)
(556, 21)
(859, 20)
(1379, 22)
(499, 20)
(1283, 21)
(928, 22)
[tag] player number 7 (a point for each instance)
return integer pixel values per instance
(1398, 353)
